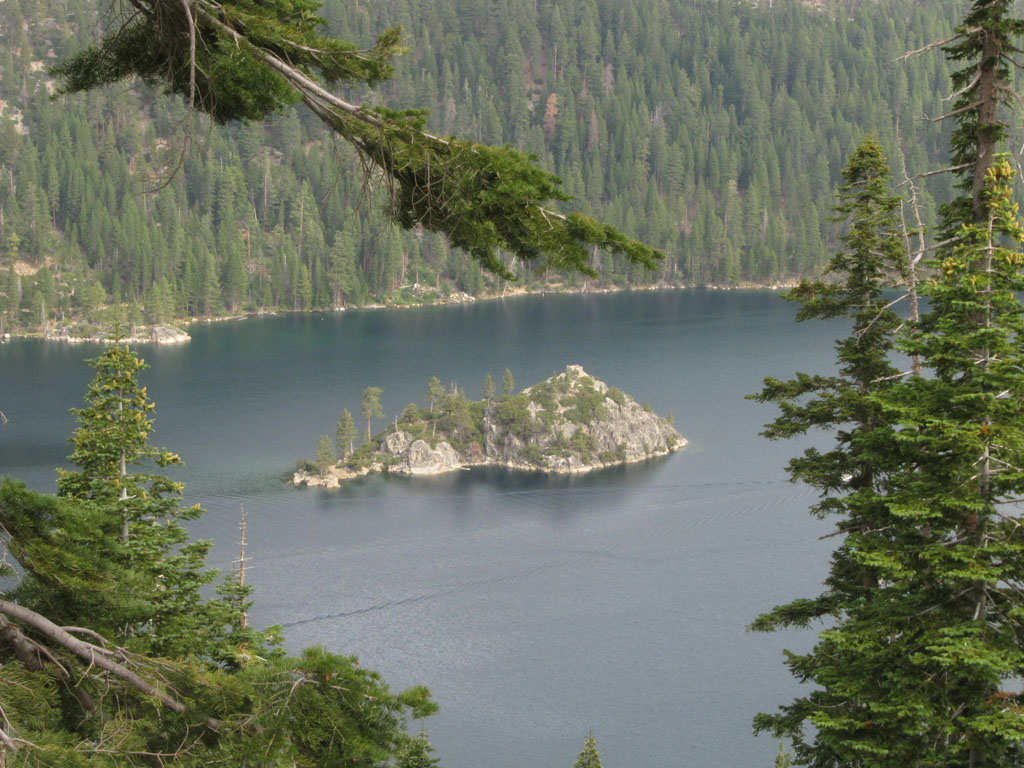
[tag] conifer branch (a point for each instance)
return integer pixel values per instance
(930, 47)
(88, 652)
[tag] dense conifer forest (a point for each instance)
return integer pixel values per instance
(715, 132)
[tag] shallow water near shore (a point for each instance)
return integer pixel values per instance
(534, 607)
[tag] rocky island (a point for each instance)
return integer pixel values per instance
(569, 423)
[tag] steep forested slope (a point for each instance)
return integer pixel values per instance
(713, 130)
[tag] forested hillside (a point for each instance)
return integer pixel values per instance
(713, 131)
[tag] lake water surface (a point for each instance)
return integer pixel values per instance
(534, 608)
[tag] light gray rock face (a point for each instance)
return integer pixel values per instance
(420, 459)
(157, 334)
(396, 442)
(569, 423)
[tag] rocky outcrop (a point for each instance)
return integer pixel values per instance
(569, 423)
(155, 334)
(418, 457)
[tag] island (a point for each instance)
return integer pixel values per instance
(569, 423)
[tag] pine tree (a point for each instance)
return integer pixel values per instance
(488, 388)
(268, 57)
(416, 754)
(589, 757)
(345, 434)
(926, 589)
(370, 408)
(508, 385)
(325, 456)
(118, 470)
(435, 393)
(100, 633)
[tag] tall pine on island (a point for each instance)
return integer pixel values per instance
(925, 596)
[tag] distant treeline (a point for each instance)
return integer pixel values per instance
(714, 131)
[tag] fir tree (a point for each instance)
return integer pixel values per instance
(325, 456)
(83, 628)
(508, 385)
(926, 589)
(416, 754)
(118, 471)
(370, 408)
(435, 393)
(266, 58)
(345, 434)
(589, 757)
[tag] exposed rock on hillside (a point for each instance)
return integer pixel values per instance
(568, 423)
(153, 334)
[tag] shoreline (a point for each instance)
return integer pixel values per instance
(338, 475)
(144, 334)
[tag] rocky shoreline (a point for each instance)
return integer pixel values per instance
(571, 423)
(155, 334)
(151, 335)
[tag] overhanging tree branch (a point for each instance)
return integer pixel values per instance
(92, 654)
(242, 61)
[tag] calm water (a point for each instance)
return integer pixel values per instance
(534, 608)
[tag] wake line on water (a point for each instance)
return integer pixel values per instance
(579, 556)
(452, 590)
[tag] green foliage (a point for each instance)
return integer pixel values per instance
(589, 757)
(144, 667)
(274, 199)
(616, 395)
(783, 759)
(417, 754)
(454, 417)
(533, 454)
(435, 392)
(245, 61)
(325, 456)
(344, 434)
(370, 407)
(613, 457)
(363, 456)
(141, 509)
(584, 444)
(508, 385)
(586, 404)
(513, 413)
(926, 584)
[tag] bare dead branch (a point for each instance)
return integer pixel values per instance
(926, 174)
(955, 112)
(85, 651)
(930, 47)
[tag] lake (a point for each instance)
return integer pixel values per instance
(534, 608)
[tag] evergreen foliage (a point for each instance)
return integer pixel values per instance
(110, 656)
(370, 408)
(589, 757)
(344, 435)
(508, 385)
(245, 61)
(417, 754)
(325, 455)
(924, 594)
(751, 204)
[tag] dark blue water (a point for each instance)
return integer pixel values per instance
(534, 608)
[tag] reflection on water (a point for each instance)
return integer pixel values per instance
(534, 607)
